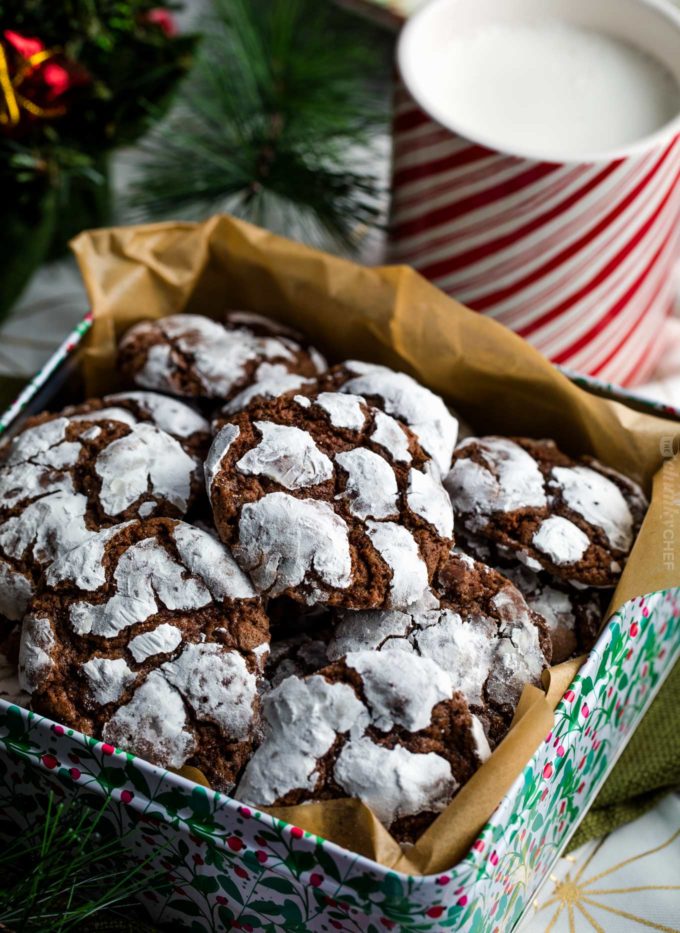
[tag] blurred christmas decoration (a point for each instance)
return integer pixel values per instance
(34, 83)
(278, 124)
(77, 78)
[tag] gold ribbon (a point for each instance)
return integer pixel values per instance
(12, 98)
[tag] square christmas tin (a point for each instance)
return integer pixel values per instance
(230, 866)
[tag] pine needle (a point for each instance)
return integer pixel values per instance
(68, 870)
(277, 124)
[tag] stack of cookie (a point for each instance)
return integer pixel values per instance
(246, 563)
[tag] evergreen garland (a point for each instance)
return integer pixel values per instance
(78, 78)
(277, 123)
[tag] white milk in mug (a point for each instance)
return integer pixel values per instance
(536, 168)
(550, 87)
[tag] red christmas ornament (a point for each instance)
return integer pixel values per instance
(35, 82)
(26, 47)
(164, 19)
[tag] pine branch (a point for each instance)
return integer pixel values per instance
(277, 124)
(67, 871)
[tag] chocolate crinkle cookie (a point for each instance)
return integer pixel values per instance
(574, 518)
(151, 638)
(478, 628)
(397, 394)
(328, 499)
(62, 479)
(194, 356)
(389, 729)
(171, 415)
(264, 326)
(573, 615)
(273, 379)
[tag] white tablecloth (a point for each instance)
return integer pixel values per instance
(625, 883)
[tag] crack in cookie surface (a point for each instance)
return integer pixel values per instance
(315, 506)
(61, 479)
(576, 519)
(383, 727)
(194, 356)
(150, 637)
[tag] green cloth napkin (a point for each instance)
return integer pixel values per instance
(648, 768)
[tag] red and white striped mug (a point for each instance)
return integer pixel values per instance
(577, 254)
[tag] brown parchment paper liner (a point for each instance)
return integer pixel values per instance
(390, 315)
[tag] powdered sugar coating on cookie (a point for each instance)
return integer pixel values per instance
(391, 436)
(303, 719)
(145, 575)
(598, 500)
(271, 380)
(574, 518)
(410, 782)
(171, 415)
(62, 479)
(371, 486)
(158, 363)
(168, 414)
(463, 648)
(35, 651)
(399, 550)
(55, 519)
(145, 460)
(43, 445)
(154, 722)
(191, 355)
(404, 398)
(286, 455)
(283, 540)
(218, 451)
(207, 558)
(402, 742)
(572, 615)
(81, 558)
(520, 657)
(508, 479)
(407, 702)
(269, 327)
(38, 462)
(33, 539)
(477, 628)
(561, 540)
(344, 411)
(217, 685)
(219, 356)
(160, 640)
(370, 629)
(427, 497)
(174, 621)
(311, 504)
(16, 589)
(107, 678)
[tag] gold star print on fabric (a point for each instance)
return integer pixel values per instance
(595, 889)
